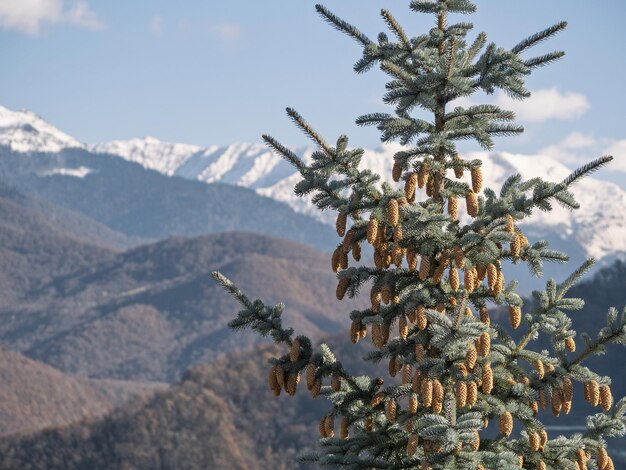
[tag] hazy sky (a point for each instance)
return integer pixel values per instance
(215, 72)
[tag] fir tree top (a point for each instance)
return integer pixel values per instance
(436, 275)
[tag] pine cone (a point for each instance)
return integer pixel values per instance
(594, 393)
(344, 428)
(280, 375)
(471, 200)
(420, 353)
(354, 332)
(294, 352)
(484, 316)
(346, 244)
(437, 391)
(500, 284)
(570, 344)
(409, 186)
(411, 259)
(376, 335)
(568, 389)
(606, 397)
(468, 280)
(396, 171)
(416, 384)
(375, 298)
(340, 224)
(557, 401)
(310, 375)
(322, 427)
(427, 392)
(407, 374)
(516, 246)
(335, 261)
(461, 394)
(533, 440)
(342, 287)
(515, 315)
(272, 382)
(377, 399)
(316, 388)
(459, 257)
(403, 327)
(424, 268)
(492, 276)
(505, 424)
(453, 207)
(291, 384)
(390, 410)
(487, 384)
(343, 259)
(477, 179)
(484, 344)
(422, 319)
(581, 459)
(335, 383)
(372, 231)
(413, 404)
(541, 465)
(534, 406)
(602, 458)
(329, 426)
(411, 446)
(393, 213)
(356, 251)
(472, 393)
(453, 278)
(470, 358)
(510, 224)
(520, 460)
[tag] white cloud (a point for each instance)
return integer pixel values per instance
(156, 25)
(618, 150)
(542, 105)
(227, 32)
(29, 16)
(546, 104)
(575, 148)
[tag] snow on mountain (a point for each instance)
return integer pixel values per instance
(598, 226)
(23, 131)
(149, 152)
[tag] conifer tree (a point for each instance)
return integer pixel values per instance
(437, 273)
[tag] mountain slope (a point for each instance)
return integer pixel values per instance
(34, 396)
(143, 203)
(153, 311)
(33, 249)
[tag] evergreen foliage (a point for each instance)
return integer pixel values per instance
(436, 275)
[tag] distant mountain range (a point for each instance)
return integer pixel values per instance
(150, 312)
(124, 185)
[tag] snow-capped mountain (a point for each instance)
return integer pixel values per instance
(599, 227)
(24, 131)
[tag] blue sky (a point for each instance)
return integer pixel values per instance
(215, 72)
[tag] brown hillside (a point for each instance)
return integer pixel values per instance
(35, 396)
(151, 312)
(221, 416)
(33, 250)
